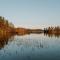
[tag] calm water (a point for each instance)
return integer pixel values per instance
(30, 47)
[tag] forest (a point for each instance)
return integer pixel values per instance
(7, 28)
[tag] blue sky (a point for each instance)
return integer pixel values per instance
(31, 13)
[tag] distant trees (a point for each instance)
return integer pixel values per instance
(4, 22)
(52, 30)
(5, 26)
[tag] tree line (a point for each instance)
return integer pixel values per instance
(52, 30)
(5, 26)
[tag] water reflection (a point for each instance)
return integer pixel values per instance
(32, 46)
(4, 40)
(52, 35)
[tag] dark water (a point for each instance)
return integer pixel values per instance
(30, 47)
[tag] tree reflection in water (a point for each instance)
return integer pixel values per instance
(4, 40)
(52, 35)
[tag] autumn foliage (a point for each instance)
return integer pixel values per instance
(5, 26)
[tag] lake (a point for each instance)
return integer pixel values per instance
(30, 47)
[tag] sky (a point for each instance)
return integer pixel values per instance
(31, 13)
